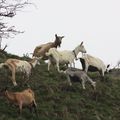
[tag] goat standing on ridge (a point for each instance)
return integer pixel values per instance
(64, 57)
(26, 98)
(90, 63)
(16, 65)
(42, 49)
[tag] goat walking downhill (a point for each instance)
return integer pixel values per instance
(81, 75)
(26, 98)
(42, 49)
(64, 57)
(16, 65)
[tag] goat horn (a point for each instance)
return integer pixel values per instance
(81, 43)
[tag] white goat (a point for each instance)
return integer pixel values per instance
(64, 57)
(16, 65)
(90, 63)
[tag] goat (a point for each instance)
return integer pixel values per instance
(25, 98)
(64, 57)
(81, 75)
(16, 65)
(90, 63)
(42, 49)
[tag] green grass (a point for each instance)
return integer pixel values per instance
(57, 100)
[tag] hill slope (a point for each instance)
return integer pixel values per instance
(58, 101)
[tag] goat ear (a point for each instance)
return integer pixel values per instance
(108, 65)
(81, 43)
(55, 35)
(6, 88)
(62, 36)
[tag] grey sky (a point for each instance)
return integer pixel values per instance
(96, 22)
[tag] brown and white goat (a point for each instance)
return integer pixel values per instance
(25, 98)
(42, 49)
(16, 65)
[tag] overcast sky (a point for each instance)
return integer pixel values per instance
(96, 22)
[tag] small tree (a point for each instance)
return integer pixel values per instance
(8, 9)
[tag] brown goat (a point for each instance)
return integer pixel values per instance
(26, 98)
(42, 49)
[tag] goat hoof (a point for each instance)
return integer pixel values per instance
(70, 84)
(15, 84)
(83, 88)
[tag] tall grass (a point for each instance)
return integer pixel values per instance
(58, 101)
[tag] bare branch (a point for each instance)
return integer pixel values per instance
(8, 8)
(10, 14)
(4, 48)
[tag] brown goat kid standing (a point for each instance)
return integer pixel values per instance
(26, 98)
(42, 49)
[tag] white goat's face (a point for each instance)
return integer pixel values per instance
(82, 48)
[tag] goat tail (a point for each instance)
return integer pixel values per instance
(48, 54)
(34, 103)
(2, 65)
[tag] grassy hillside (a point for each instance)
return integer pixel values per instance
(58, 101)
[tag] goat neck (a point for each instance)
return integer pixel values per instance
(33, 62)
(56, 43)
(75, 54)
(76, 51)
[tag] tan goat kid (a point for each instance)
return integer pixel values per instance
(16, 65)
(21, 99)
(42, 49)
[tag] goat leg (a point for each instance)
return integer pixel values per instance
(20, 109)
(35, 108)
